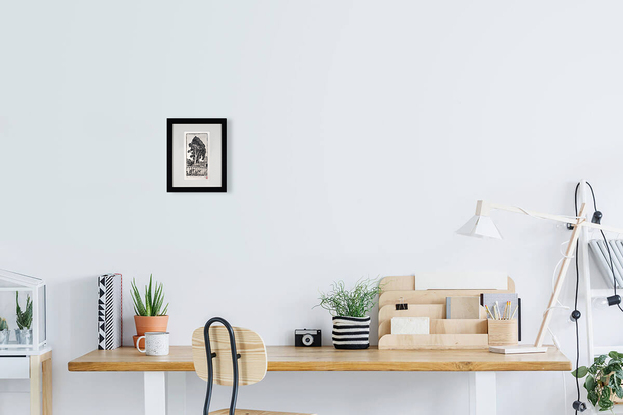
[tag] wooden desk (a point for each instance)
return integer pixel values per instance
(481, 364)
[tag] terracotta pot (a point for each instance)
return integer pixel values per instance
(144, 324)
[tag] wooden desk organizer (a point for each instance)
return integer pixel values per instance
(502, 332)
(444, 333)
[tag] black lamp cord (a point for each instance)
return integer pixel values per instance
(577, 284)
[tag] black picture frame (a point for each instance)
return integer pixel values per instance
(173, 121)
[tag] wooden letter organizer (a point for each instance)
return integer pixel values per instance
(444, 333)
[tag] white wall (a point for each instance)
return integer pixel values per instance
(361, 134)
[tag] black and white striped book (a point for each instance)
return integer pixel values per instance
(109, 311)
(351, 332)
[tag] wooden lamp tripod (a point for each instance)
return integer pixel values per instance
(481, 225)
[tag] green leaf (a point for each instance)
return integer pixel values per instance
(601, 359)
(615, 355)
(592, 397)
(590, 383)
(580, 372)
(151, 303)
(147, 302)
(138, 303)
(604, 400)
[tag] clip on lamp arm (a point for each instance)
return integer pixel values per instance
(484, 208)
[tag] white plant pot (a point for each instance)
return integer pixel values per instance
(23, 336)
(4, 336)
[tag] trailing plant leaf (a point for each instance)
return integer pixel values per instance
(354, 303)
(23, 319)
(593, 397)
(580, 372)
(604, 399)
(151, 303)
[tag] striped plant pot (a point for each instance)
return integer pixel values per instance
(351, 332)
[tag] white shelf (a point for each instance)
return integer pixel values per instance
(605, 292)
(24, 352)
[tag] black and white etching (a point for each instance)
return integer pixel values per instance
(196, 156)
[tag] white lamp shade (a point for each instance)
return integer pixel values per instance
(480, 227)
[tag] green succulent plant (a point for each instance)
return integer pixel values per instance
(24, 318)
(3, 324)
(151, 305)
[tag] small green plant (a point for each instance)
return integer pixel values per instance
(603, 380)
(3, 324)
(152, 303)
(354, 303)
(24, 318)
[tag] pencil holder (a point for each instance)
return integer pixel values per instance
(502, 332)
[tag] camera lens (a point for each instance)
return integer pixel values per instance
(307, 340)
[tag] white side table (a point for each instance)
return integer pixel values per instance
(36, 367)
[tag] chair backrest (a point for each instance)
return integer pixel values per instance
(252, 364)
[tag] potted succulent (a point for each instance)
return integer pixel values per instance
(149, 310)
(23, 332)
(603, 380)
(4, 331)
(351, 324)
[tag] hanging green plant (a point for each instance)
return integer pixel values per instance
(603, 380)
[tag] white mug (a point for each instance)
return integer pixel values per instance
(156, 343)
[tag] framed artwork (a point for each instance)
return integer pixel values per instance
(196, 155)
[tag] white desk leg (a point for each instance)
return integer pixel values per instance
(482, 394)
(176, 393)
(155, 393)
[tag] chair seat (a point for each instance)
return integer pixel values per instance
(253, 412)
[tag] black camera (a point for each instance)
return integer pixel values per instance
(307, 338)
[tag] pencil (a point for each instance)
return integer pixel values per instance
(514, 312)
(496, 308)
(489, 312)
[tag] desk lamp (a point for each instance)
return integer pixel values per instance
(482, 226)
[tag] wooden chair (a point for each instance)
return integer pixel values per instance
(230, 356)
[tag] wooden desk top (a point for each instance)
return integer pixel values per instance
(290, 358)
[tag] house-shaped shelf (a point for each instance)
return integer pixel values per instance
(27, 340)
